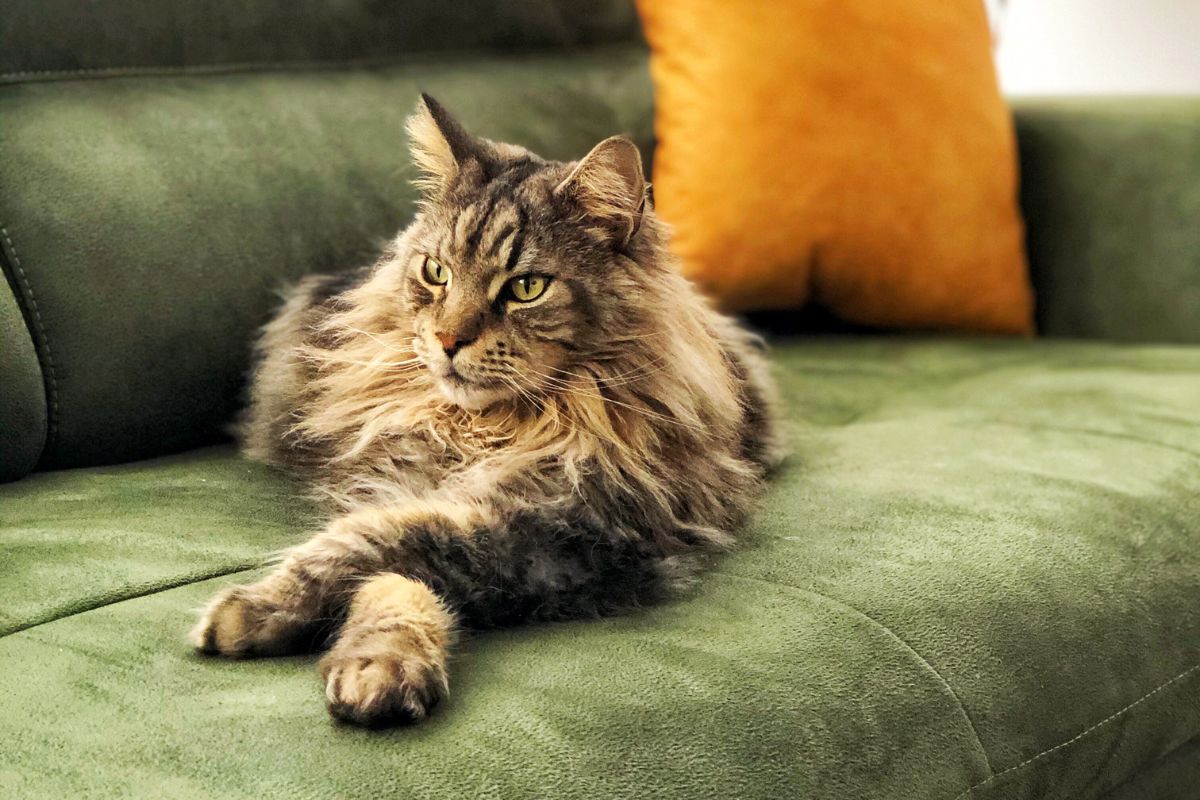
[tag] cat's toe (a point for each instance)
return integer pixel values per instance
(375, 691)
(237, 625)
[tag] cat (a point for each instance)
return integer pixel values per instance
(521, 412)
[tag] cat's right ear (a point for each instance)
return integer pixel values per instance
(440, 144)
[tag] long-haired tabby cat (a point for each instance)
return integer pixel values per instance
(521, 412)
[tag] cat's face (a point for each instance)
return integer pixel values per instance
(515, 270)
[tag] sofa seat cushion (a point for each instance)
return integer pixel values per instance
(975, 577)
(78, 539)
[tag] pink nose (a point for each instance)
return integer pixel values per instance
(450, 342)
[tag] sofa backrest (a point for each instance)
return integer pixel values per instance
(1110, 189)
(166, 167)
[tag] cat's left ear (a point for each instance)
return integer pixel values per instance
(440, 145)
(609, 186)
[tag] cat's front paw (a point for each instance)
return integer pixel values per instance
(238, 624)
(373, 688)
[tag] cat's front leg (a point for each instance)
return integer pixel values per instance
(389, 662)
(374, 568)
(293, 606)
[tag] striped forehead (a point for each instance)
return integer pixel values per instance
(490, 232)
(492, 229)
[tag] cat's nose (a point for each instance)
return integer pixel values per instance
(451, 342)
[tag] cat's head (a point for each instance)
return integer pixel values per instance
(518, 269)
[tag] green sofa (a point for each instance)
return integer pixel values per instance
(976, 576)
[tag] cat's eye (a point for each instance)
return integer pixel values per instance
(527, 288)
(434, 272)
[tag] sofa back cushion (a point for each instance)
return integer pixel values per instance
(164, 176)
(45, 38)
(1111, 192)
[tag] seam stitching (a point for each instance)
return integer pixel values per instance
(895, 637)
(40, 331)
(1079, 736)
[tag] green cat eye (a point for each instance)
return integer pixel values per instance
(434, 272)
(527, 287)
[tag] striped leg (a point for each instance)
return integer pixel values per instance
(395, 573)
(289, 609)
(308, 594)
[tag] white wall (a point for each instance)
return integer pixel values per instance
(1099, 46)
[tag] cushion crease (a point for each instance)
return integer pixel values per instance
(148, 71)
(57, 614)
(895, 637)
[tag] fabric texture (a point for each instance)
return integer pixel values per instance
(156, 218)
(76, 540)
(856, 155)
(1174, 775)
(22, 399)
(42, 39)
(974, 577)
(1112, 194)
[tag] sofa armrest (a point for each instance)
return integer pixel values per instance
(22, 394)
(1111, 196)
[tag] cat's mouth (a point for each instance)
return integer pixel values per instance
(469, 392)
(456, 377)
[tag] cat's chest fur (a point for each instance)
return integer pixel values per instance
(412, 443)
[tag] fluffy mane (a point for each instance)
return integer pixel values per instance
(635, 416)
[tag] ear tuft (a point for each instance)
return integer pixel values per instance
(608, 184)
(439, 143)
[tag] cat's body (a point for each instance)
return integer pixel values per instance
(521, 412)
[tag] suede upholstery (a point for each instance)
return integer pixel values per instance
(75, 540)
(42, 38)
(23, 398)
(1111, 199)
(977, 569)
(975, 577)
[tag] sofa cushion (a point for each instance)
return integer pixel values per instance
(79, 539)
(1111, 194)
(975, 577)
(155, 217)
(42, 39)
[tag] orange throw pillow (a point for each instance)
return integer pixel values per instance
(855, 154)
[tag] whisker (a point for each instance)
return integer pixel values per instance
(566, 421)
(651, 367)
(377, 340)
(566, 387)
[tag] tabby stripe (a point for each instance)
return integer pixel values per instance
(481, 220)
(517, 173)
(464, 220)
(501, 237)
(518, 240)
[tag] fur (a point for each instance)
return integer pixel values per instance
(487, 461)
